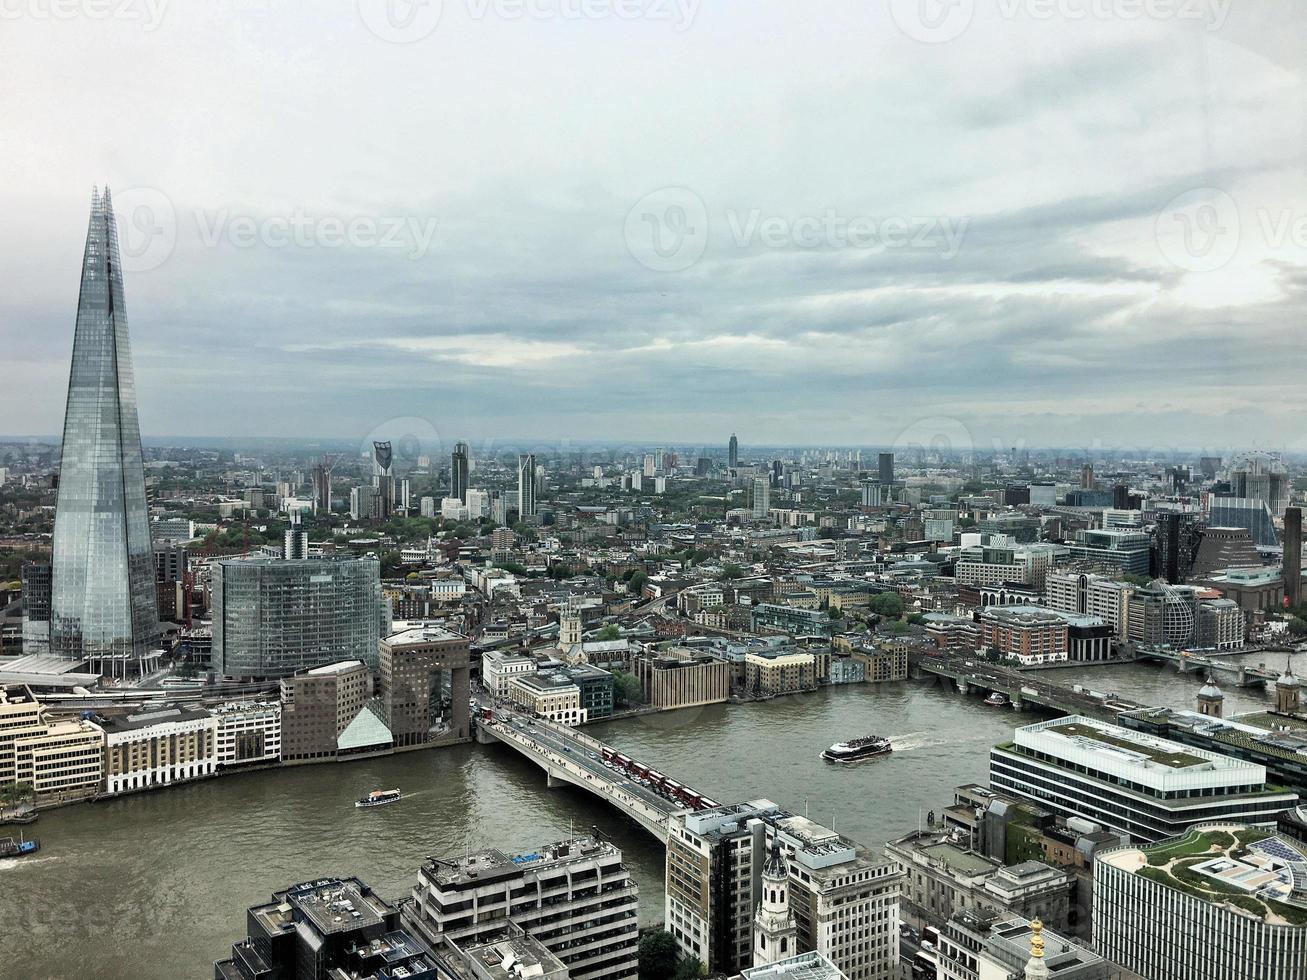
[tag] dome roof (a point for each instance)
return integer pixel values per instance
(776, 866)
(1210, 690)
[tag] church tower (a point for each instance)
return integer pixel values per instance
(1211, 701)
(1287, 688)
(774, 928)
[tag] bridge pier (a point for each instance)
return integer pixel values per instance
(553, 782)
(485, 736)
(963, 687)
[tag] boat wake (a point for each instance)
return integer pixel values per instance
(918, 740)
(8, 863)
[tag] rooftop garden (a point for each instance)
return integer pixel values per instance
(1172, 863)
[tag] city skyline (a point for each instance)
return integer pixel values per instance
(529, 301)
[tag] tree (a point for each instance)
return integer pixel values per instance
(1297, 627)
(835, 612)
(690, 968)
(626, 687)
(916, 619)
(887, 605)
(658, 956)
(610, 632)
(1136, 580)
(729, 572)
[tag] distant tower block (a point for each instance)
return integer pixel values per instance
(1293, 556)
(1287, 688)
(1211, 701)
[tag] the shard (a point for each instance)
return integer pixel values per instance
(102, 605)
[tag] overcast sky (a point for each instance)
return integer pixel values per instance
(1067, 223)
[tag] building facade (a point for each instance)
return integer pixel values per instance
(159, 748)
(423, 680)
(575, 897)
(273, 617)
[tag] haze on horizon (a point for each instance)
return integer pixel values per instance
(560, 222)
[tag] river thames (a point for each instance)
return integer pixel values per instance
(155, 886)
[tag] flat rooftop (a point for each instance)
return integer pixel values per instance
(423, 634)
(493, 864)
(329, 904)
(1154, 750)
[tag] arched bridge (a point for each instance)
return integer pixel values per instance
(568, 756)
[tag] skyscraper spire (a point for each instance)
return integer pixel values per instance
(102, 592)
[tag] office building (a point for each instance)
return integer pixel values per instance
(871, 493)
(1131, 782)
(1087, 481)
(158, 748)
(553, 696)
(62, 760)
(1091, 595)
(499, 667)
(458, 472)
(1293, 556)
(327, 929)
(575, 897)
(1227, 902)
(1250, 513)
(328, 712)
(362, 503)
(37, 581)
(733, 452)
(682, 682)
(997, 945)
(1164, 615)
(1117, 549)
(1175, 544)
(1264, 477)
(249, 733)
(526, 486)
(944, 876)
(102, 607)
(423, 677)
(843, 899)
(272, 617)
(885, 469)
(803, 966)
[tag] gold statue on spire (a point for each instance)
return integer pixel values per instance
(1037, 940)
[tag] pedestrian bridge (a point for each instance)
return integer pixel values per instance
(573, 758)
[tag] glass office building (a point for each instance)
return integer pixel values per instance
(273, 617)
(102, 604)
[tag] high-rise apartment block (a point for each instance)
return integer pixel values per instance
(526, 486)
(458, 472)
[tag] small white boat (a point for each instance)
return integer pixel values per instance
(857, 749)
(379, 797)
(996, 699)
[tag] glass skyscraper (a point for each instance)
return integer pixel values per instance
(272, 617)
(102, 606)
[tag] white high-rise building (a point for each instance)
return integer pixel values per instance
(761, 497)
